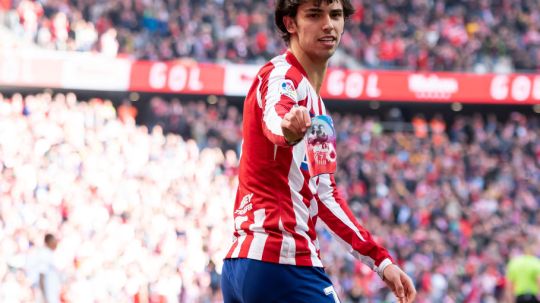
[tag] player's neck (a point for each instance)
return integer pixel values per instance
(315, 69)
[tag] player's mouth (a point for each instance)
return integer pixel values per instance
(328, 41)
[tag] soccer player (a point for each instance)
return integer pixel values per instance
(274, 256)
(523, 276)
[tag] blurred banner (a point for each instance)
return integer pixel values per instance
(185, 77)
(86, 71)
(54, 69)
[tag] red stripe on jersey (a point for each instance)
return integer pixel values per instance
(291, 59)
(273, 245)
(231, 250)
(276, 139)
(320, 105)
(284, 106)
(244, 248)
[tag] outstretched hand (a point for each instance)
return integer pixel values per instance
(400, 284)
(295, 124)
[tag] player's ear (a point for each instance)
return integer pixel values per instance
(290, 25)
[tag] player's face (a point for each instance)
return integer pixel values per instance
(53, 243)
(319, 28)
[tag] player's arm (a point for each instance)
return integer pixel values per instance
(336, 214)
(284, 122)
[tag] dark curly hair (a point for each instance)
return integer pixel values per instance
(290, 8)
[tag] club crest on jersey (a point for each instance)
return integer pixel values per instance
(287, 88)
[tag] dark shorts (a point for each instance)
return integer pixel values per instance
(252, 281)
(527, 299)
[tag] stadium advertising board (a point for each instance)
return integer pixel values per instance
(49, 69)
(95, 73)
(431, 87)
(406, 86)
(29, 69)
(53, 69)
(177, 77)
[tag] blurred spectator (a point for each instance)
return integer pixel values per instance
(420, 126)
(49, 284)
(438, 127)
(127, 112)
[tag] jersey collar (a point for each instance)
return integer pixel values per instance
(291, 59)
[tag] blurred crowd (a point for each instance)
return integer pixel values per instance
(453, 203)
(144, 215)
(140, 216)
(473, 36)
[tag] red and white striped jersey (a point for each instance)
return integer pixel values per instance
(277, 203)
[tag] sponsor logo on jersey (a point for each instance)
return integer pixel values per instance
(245, 205)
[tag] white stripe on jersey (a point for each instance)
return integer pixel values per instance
(323, 109)
(273, 96)
(301, 91)
(256, 248)
(288, 247)
(313, 207)
(313, 99)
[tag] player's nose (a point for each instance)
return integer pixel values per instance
(327, 23)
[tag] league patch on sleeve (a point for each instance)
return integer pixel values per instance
(287, 88)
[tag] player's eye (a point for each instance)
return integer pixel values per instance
(336, 15)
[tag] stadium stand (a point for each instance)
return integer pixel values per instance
(478, 36)
(450, 204)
